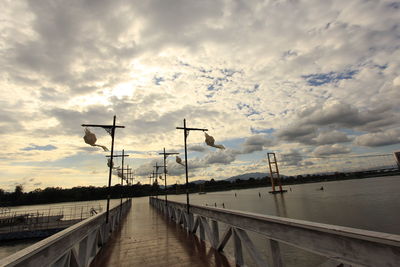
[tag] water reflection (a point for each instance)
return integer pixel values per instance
(280, 205)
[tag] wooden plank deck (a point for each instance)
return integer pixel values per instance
(147, 238)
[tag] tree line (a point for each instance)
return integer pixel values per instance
(85, 193)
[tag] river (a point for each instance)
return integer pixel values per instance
(370, 204)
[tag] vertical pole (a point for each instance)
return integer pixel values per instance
(186, 166)
(215, 234)
(271, 173)
(122, 181)
(277, 172)
(110, 172)
(275, 253)
(238, 249)
(165, 177)
(156, 179)
(152, 183)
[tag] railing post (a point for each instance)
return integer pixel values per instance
(191, 222)
(82, 255)
(74, 246)
(238, 249)
(215, 233)
(367, 248)
(202, 235)
(275, 253)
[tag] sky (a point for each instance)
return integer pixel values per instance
(304, 79)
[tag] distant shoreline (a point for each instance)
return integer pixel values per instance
(59, 195)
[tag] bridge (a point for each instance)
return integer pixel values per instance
(164, 234)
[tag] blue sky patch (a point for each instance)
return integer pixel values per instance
(247, 109)
(228, 72)
(36, 147)
(258, 131)
(319, 79)
(211, 87)
(158, 80)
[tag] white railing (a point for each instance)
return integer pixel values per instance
(341, 245)
(74, 246)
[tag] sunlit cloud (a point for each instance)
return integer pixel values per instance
(323, 80)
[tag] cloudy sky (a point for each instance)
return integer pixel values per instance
(305, 79)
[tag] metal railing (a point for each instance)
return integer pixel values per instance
(21, 220)
(341, 245)
(74, 246)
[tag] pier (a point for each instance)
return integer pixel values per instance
(40, 223)
(148, 238)
(164, 234)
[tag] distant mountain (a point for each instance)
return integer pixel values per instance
(247, 176)
(199, 181)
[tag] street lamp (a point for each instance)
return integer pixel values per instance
(156, 176)
(111, 130)
(123, 155)
(166, 154)
(185, 135)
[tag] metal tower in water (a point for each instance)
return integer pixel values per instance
(274, 174)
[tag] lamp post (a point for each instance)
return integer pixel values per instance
(123, 155)
(111, 130)
(185, 135)
(166, 154)
(129, 175)
(156, 176)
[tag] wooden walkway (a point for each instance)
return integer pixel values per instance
(147, 238)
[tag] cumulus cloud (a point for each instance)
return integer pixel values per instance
(298, 133)
(327, 150)
(36, 147)
(331, 137)
(197, 148)
(329, 72)
(310, 126)
(389, 137)
(291, 158)
(256, 143)
(220, 157)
